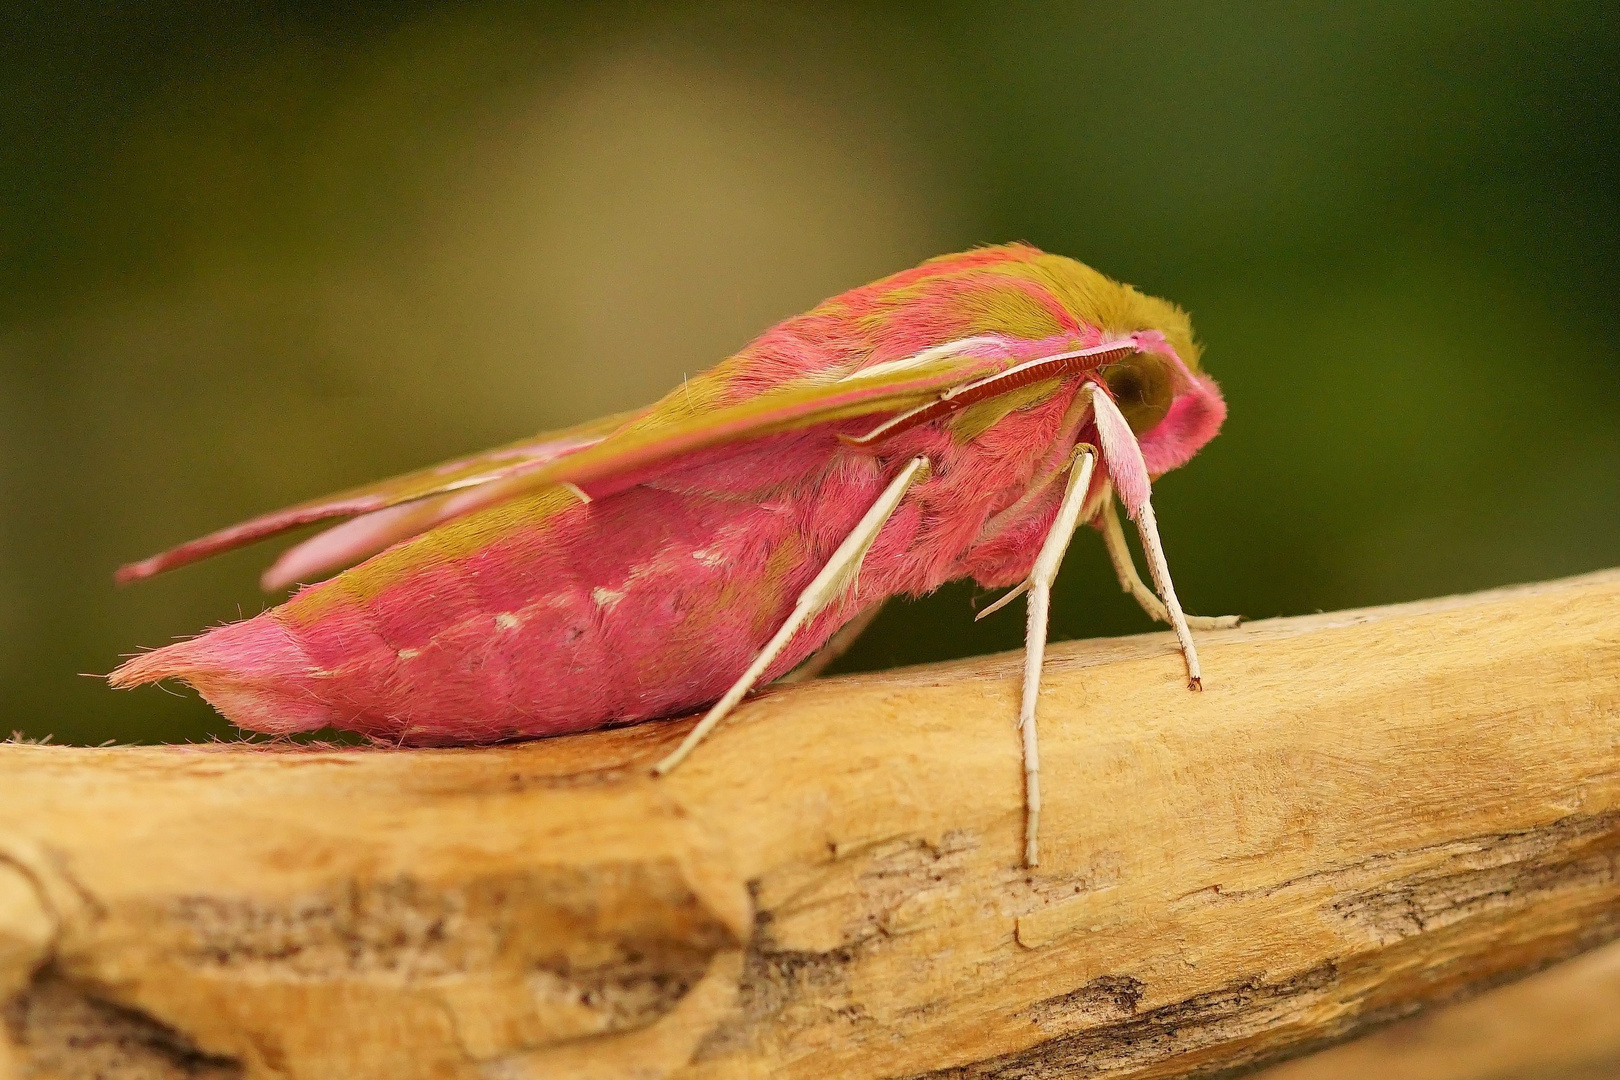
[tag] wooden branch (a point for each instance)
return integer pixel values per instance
(1364, 812)
(1564, 1022)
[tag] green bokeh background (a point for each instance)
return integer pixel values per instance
(253, 252)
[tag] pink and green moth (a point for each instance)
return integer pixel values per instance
(960, 419)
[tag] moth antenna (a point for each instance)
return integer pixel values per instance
(962, 395)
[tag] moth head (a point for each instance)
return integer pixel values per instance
(1171, 405)
(1172, 408)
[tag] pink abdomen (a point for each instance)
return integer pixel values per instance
(648, 603)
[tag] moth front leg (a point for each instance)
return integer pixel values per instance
(1128, 471)
(1039, 587)
(837, 576)
(1119, 553)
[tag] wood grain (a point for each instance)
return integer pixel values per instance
(1365, 812)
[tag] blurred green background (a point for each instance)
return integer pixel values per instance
(251, 252)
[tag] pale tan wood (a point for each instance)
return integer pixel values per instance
(1561, 1024)
(1362, 813)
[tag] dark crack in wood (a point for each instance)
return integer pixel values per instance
(61, 1032)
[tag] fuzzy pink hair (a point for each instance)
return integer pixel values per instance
(1194, 418)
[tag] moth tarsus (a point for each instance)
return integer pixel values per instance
(670, 558)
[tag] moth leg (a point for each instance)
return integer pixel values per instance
(836, 646)
(836, 577)
(1040, 579)
(1128, 472)
(1125, 567)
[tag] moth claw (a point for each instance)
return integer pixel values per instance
(1195, 683)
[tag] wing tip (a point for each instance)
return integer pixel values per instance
(131, 572)
(240, 535)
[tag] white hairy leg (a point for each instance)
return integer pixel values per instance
(1125, 567)
(1039, 587)
(837, 576)
(1128, 471)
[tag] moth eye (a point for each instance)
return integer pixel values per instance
(1143, 388)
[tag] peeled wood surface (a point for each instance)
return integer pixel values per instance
(1363, 812)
